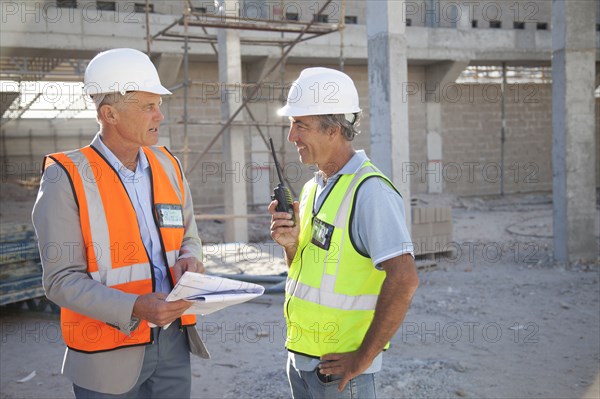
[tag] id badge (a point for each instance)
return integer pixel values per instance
(321, 234)
(169, 215)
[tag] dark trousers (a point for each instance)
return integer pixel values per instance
(166, 372)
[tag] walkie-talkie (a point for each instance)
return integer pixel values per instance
(281, 193)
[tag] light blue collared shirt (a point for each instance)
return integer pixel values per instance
(139, 189)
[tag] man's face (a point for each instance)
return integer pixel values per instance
(139, 118)
(310, 141)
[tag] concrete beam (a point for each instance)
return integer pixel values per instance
(388, 72)
(65, 32)
(573, 145)
(440, 74)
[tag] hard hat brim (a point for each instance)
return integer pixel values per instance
(290, 110)
(160, 89)
(92, 90)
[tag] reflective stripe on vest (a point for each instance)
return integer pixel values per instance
(116, 256)
(331, 294)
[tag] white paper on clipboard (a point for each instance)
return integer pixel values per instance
(210, 294)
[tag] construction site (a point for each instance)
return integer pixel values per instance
(484, 114)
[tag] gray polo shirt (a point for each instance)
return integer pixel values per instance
(378, 228)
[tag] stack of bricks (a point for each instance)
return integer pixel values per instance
(431, 230)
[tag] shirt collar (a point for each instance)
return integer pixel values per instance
(351, 167)
(112, 159)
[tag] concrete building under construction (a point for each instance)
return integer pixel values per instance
(458, 97)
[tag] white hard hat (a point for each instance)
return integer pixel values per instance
(321, 91)
(122, 70)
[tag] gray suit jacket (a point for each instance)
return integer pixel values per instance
(67, 283)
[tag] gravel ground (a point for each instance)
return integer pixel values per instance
(498, 318)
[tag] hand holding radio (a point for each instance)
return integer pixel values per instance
(281, 193)
(284, 211)
(284, 230)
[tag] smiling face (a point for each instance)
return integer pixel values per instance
(312, 143)
(324, 146)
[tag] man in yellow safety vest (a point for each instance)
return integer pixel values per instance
(352, 274)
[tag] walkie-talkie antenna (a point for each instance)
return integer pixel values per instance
(281, 193)
(276, 163)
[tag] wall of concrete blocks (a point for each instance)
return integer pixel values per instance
(470, 140)
(25, 142)
(208, 175)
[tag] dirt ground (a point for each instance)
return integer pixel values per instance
(497, 318)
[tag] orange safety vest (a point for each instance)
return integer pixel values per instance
(116, 256)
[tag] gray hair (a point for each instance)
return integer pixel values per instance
(348, 123)
(115, 99)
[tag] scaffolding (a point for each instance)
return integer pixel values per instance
(192, 27)
(195, 29)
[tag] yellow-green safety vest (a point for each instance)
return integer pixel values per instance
(332, 289)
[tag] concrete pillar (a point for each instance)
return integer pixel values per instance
(434, 160)
(573, 147)
(388, 75)
(437, 78)
(230, 75)
(433, 124)
(262, 186)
